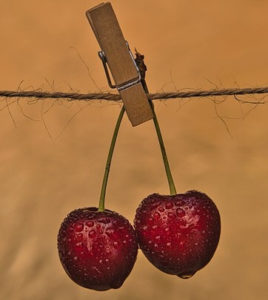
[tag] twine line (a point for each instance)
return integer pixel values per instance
(116, 97)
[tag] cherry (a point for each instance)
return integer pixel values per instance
(97, 249)
(178, 233)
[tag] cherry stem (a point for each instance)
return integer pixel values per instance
(171, 184)
(109, 160)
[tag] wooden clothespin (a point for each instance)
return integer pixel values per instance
(116, 53)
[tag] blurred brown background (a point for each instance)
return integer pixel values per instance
(52, 153)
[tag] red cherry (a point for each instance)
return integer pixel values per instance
(180, 233)
(97, 249)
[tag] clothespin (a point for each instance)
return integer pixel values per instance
(116, 53)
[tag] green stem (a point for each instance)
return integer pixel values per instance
(109, 160)
(171, 184)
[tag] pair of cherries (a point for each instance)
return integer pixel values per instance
(177, 233)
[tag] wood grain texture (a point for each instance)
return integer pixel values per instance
(135, 99)
(110, 37)
(111, 40)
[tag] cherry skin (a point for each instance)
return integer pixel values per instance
(179, 233)
(97, 249)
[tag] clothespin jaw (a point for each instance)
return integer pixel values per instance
(116, 54)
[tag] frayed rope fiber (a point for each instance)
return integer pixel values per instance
(116, 97)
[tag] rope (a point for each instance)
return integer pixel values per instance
(116, 97)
